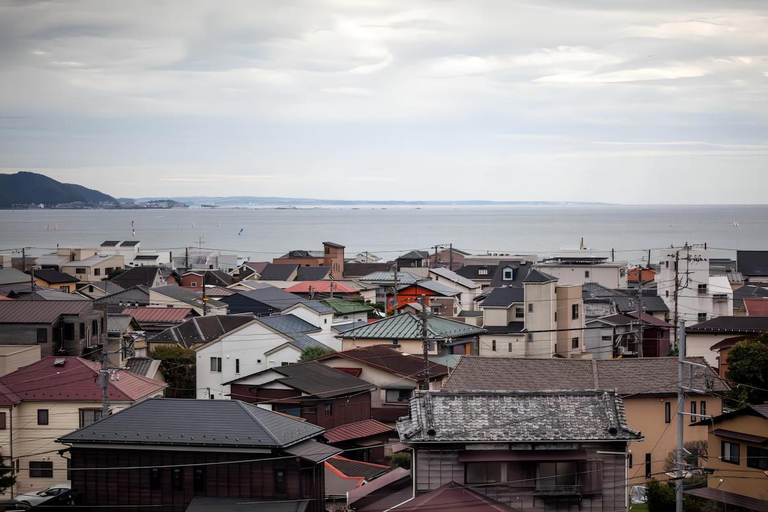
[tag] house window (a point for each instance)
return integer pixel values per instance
(702, 288)
(730, 452)
(397, 395)
(757, 458)
(279, 481)
(329, 409)
(693, 408)
(586, 274)
(177, 478)
(154, 478)
(648, 471)
(555, 316)
(42, 335)
(702, 317)
(519, 313)
(97, 271)
(64, 289)
(666, 264)
(509, 347)
(216, 364)
(3, 424)
(199, 479)
(629, 460)
(574, 311)
(483, 472)
(667, 412)
(193, 284)
(508, 274)
(529, 336)
(40, 469)
(574, 343)
(666, 293)
(703, 408)
(42, 416)
(493, 345)
(88, 416)
(69, 332)
(530, 307)
(237, 366)
(482, 272)
(80, 270)
(556, 475)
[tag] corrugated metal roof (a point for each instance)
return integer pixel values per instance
(40, 312)
(408, 326)
(74, 381)
(117, 324)
(456, 278)
(313, 451)
(434, 286)
(184, 422)
(355, 468)
(356, 430)
(390, 360)
(158, 315)
(402, 277)
(345, 307)
(12, 276)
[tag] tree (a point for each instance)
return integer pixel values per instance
(748, 370)
(697, 450)
(314, 352)
(661, 497)
(7, 477)
(116, 272)
(178, 368)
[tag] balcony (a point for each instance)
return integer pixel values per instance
(720, 297)
(557, 490)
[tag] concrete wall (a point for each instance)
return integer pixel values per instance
(13, 357)
(610, 275)
(507, 345)
(570, 328)
(542, 299)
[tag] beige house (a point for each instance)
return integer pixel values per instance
(175, 296)
(13, 357)
(648, 387)
(48, 399)
(89, 265)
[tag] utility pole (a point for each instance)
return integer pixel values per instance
(205, 299)
(680, 410)
(677, 291)
(434, 264)
(450, 256)
(425, 340)
(104, 372)
(23, 259)
(186, 259)
(394, 289)
(331, 287)
(640, 308)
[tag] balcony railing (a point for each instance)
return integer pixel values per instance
(558, 490)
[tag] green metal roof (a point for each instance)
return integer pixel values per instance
(407, 326)
(345, 307)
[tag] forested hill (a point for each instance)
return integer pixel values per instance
(25, 188)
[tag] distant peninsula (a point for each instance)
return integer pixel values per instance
(303, 202)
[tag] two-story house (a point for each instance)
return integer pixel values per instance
(542, 450)
(331, 256)
(56, 280)
(50, 398)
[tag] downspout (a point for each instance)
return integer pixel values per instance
(13, 462)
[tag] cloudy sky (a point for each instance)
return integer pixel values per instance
(647, 101)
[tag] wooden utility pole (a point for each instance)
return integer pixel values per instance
(640, 309)
(450, 256)
(677, 291)
(205, 299)
(23, 259)
(425, 340)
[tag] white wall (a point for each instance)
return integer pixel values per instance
(503, 344)
(610, 275)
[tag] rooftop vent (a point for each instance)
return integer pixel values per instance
(59, 361)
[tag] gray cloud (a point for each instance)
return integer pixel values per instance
(524, 100)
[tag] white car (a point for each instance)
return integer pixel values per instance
(32, 499)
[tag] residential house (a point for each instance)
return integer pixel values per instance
(49, 399)
(405, 332)
(702, 336)
(13, 276)
(318, 393)
(193, 279)
(395, 374)
(249, 270)
(601, 301)
(413, 259)
(752, 307)
(469, 289)
(737, 461)
(656, 334)
(197, 258)
(747, 291)
(149, 277)
(256, 344)
(133, 255)
(331, 256)
(619, 336)
(175, 296)
(365, 440)
(198, 331)
(648, 387)
(13, 357)
(277, 272)
(320, 317)
(346, 312)
(638, 276)
(448, 258)
(723, 349)
(91, 267)
(155, 320)
(701, 296)
(343, 474)
(98, 289)
(497, 273)
(366, 257)
(124, 339)
(355, 270)
(539, 450)
(580, 268)
(384, 282)
(228, 452)
(60, 327)
(753, 266)
(131, 297)
(442, 300)
(55, 280)
(262, 302)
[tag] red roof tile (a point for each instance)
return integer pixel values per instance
(74, 380)
(756, 307)
(40, 311)
(321, 287)
(357, 430)
(158, 315)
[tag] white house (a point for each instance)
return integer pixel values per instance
(581, 267)
(468, 288)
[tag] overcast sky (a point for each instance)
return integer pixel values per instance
(643, 101)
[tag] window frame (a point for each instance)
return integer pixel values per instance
(733, 456)
(43, 417)
(280, 477)
(177, 479)
(155, 479)
(328, 409)
(667, 412)
(215, 364)
(575, 343)
(648, 472)
(41, 469)
(44, 337)
(757, 458)
(81, 414)
(575, 311)
(497, 466)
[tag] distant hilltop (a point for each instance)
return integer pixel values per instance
(303, 202)
(31, 190)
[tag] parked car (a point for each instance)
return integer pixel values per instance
(60, 494)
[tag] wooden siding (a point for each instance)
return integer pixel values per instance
(224, 478)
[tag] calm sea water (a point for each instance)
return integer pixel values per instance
(266, 233)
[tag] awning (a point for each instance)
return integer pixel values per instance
(521, 455)
(368, 442)
(313, 451)
(740, 436)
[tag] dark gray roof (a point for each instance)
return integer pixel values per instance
(590, 290)
(475, 272)
(537, 276)
(273, 297)
(353, 269)
(278, 271)
(334, 244)
(521, 417)
(108, 287)
(288, 324)
(731, 324)
(651, 304)
(134, 295)
(629, 376)
(407, 326)
(504, 297)
(318, 306)
(144, 276)
(201, 329)
(510, 328)
(433, 286)
(55, 277)
(139, 365)
(414, 256)
(313, 451)
(186, 422)
(129, 243)
(186, 296)
(317, 379)
(752, 263)
(519, 272)
(210, 504)
(110, 243)
(312, 273)
(747, 292)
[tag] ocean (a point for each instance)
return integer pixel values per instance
(262, 234)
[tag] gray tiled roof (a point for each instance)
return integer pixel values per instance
(201, 329)
(318, 306)
(12, 276)
(294, 328)
(516, 417)
(636, 376)
(453, 276)
(273, 297)
(408, 326)
(748, 292)
(278, 271)
(186, 296)
(317, 380)
(731, 324)
(184, 422)
(117, 324)
(312, 273)
(504, 297)
(537, 276)
(402, 277)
